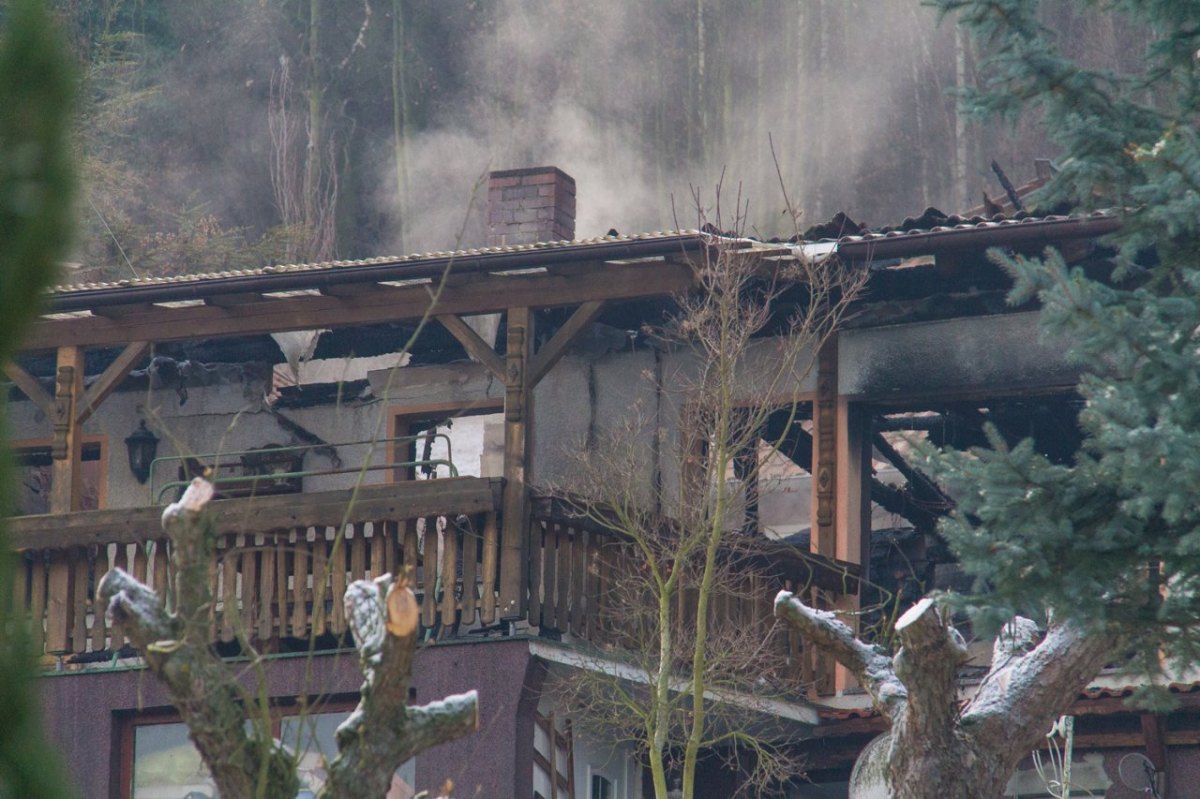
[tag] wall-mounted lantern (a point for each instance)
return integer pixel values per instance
(142, 445)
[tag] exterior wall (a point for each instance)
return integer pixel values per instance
(226, 416)
(85, 712)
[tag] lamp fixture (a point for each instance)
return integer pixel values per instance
(142, 446)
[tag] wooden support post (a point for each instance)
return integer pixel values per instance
(517, 402)
(66, 491)
(825, 484)
(852, 511)
(825, 427)
(67, 449)
(1154, 732)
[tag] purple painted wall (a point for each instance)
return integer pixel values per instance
(84, 713)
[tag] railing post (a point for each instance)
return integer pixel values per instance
(517, 409)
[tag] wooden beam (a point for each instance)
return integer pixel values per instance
(390, 501)
(1154, 731)
(121, 311)
(852, 511)
(517, 399)
(231, 300)
(825, 428)
(556, 347)
(30, 386)
(66, 491)
(829, 676)
(474, 344)
(483, 294)
(351, 289)
(66, 483)
(117, 371)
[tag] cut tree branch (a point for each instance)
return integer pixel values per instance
(931, 651)
(1010, 708)
(869, 664)
(381, 734)
(384, 731)
(176, 649)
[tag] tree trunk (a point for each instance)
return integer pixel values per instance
(940, 747)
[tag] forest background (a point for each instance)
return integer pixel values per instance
(224, 134)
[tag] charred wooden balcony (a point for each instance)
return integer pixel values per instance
(283, 561)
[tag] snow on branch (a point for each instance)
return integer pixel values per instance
(1013, 700)
(869, 664)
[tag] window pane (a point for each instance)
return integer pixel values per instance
(167, 766)
(314, 738)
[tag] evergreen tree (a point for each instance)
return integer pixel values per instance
(1101, 551)
(36, 186)
(1112, 539)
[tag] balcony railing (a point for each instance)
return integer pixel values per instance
(283, 561)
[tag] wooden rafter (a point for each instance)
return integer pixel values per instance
(556, 347)
(29, 386)
(117, 371)
(482, 294)
(474, 344)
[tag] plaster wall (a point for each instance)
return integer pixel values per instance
(224, 417)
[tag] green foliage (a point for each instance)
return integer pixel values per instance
(1114, 538)
(36, 183)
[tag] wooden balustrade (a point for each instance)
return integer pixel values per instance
(578, 586)
(282, 563)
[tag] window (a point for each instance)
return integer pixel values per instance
(35, 470)
(602, 788)
(471, 437)
(166, 765)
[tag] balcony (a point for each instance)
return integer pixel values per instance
(283, 561)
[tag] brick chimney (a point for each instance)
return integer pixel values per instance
(530, 205)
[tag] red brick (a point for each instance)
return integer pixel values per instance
(541, 178)
(500, 183)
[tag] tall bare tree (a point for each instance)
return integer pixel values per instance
(740, 353)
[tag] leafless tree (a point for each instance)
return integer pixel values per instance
(691, 679)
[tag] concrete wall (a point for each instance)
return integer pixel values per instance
(223, 417)
(951, 357)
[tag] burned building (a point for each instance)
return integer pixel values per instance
(423, 414)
